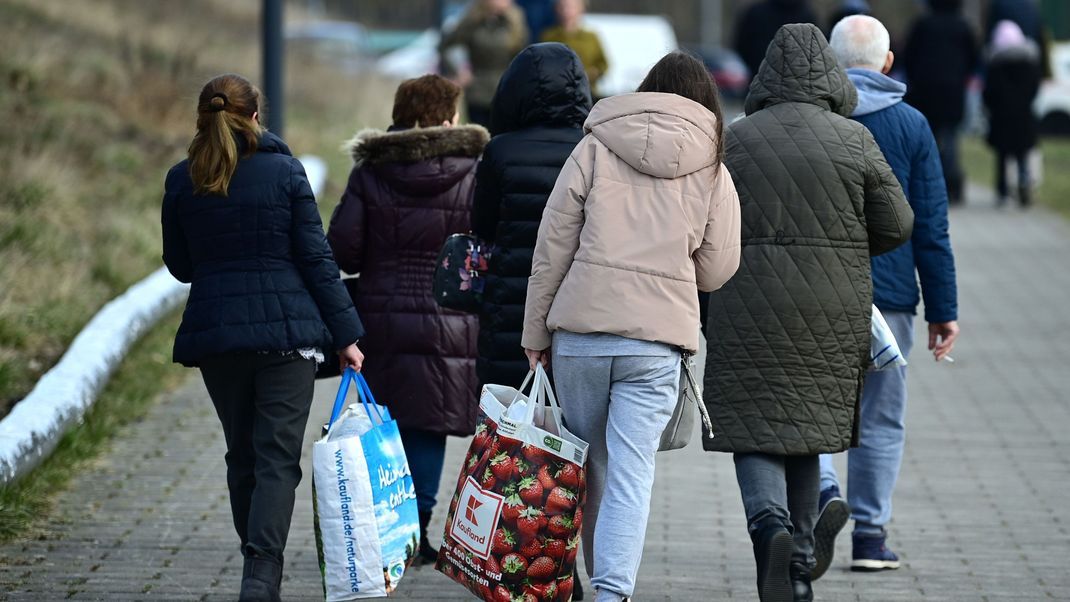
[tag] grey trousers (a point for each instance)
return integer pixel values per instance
(263, 402)
(618, 396)
(784, 487)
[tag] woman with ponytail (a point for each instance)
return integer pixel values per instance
(266, 304)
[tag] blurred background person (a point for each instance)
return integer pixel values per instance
(862, 45)
(1012, 80)
(584, 42)
(846, 9)
(539, 15)
(757, 25)
(492, 32)
(411, 188)
(1027, 15)
(941, 56)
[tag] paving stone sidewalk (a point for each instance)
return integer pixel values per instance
(980, 507)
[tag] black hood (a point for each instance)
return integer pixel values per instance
(545, 85)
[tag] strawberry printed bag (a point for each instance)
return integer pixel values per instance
(512, 532)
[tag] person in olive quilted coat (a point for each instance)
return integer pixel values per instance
(789, 335)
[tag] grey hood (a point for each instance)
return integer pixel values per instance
(876, 91)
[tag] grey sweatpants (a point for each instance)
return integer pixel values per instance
(617, 394)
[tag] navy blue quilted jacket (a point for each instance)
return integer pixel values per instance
(904, 137)
(262, 275)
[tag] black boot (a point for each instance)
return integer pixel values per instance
(772, 554)
(800, 583)
(260, 580)
(1024, 193)
(427, 554)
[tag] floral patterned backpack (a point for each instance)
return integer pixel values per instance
(460, 273)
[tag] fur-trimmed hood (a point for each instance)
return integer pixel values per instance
(375, 147)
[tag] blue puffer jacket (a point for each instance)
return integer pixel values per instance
(263, 278)
(904, 137)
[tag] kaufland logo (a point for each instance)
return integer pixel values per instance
(470, 510)
(473, 528)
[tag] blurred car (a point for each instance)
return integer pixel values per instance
(727, 69)
(342, 44)
(1052, 105)
(628, 61)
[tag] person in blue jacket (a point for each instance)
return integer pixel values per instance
(861, 43)
(266, 303)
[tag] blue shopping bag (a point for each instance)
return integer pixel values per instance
(367, 523)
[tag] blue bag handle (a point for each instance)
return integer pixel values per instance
(366, 397)
(340, 398)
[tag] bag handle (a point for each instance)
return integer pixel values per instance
(691, 391)
(542, 395)
(340, 397)
(366, 397)
(364, 393)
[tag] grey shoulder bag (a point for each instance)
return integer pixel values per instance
(677, 433)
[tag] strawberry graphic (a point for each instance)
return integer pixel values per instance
(504, 541)
(577, 518)
(555, 548)
(485, 592)
(535, 455)
(571, 549)
(542, 569)
(531, 491)
(508, 444)
(564, 588)
(482, 438)
(491, 566)
(569, 476)
(502, 594)
(545, 478)
(542, 591)
(529, 523)
(503, 466)
(514, 567)
(511, 508)
(489, 480)
(560, 526)
(560, 500)
(532, 548)
(525, 597)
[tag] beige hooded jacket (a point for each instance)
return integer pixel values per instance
(642, 217)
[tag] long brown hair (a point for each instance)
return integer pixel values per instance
(684, 75)
(225, 112)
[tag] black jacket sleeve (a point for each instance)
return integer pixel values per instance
(175, 251)
(313, 259)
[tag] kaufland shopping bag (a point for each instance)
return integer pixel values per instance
(367, 525)
(513, 524)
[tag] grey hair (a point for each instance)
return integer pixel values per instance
(860, 41)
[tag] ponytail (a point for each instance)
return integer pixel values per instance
(225, 113)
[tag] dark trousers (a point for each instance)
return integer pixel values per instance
(263, 402)
(1024, 179)
(947, 143)
(784, 487)
(426, 453)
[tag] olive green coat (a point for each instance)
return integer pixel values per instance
(789, 335)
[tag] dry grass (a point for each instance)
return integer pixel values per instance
(96, 98)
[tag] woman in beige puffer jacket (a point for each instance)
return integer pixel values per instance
(643, 216)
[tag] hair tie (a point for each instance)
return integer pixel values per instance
(217, 102)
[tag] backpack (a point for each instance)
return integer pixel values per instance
(460, 273)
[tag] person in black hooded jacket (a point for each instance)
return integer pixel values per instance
(757, 25)
(537, 118)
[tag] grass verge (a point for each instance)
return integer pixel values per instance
(1054, 189)
(133, 388)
